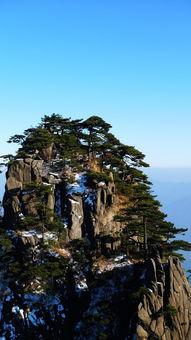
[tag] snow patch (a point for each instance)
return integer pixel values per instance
(90, 199)
(53, 253)
(17, 310)
(73, 201)
(101, 184)
(80, 282)
(50, 236)
(29, 233)
(109, 265)
(78, 187)
(55, 174)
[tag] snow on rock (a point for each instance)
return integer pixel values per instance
(73, 201)
(50, 236)
(91, 199)
(52, 304)
(80, 282)
(53, 253)
(55, 174)
(108, 265)
(78, 187)
(29, 233)
(101, 184)
(21, 216)
(102, 296)
(17, 310)
(120, 258)
(81, 285)
(57, 252)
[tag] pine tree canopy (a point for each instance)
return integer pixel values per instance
(90, 141)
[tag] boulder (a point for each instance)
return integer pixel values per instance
(76, 216)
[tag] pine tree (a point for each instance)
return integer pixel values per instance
(146, 225)
(96, 129)
(54, 123)
(43, 218)
(72, 140)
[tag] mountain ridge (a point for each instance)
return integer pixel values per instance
(80, 241)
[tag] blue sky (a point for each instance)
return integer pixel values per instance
(126, 61)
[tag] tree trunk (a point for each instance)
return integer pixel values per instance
(145, 234)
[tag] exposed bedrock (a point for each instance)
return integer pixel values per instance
(165, 312)
(87, 212)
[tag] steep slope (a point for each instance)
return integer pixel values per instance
(79, 241)
(121, 300)
(82, 209)
(95, 298)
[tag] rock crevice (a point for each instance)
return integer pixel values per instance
(82, 210)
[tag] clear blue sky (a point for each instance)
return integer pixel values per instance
(128, 61)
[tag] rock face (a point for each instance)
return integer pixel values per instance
(20, 172)
(105, 209)
(83, 210)
(165, 312)
(76, 217)
(145, 300)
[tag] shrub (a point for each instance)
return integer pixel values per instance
(140, 293)
(95, 177)
(170, 310)
(102, 336)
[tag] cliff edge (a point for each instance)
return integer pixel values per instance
(80, 241)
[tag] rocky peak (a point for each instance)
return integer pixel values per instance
(70, 268)
(82, 210)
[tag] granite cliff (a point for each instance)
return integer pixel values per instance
(73, 265)
(82, 209)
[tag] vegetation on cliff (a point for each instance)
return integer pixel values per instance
(76, 198)
(89, 145)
